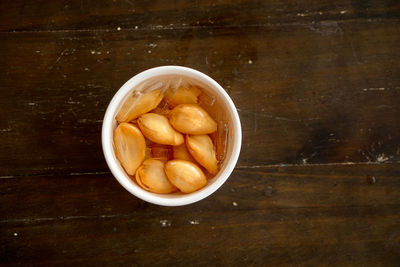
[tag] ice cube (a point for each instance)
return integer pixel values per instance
(153, 85)
(209, 103)
(162, 152)
(162, 108)
(175, 82)
(220, 139)
(206, 100)
(147, 153)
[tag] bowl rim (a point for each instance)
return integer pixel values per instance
(106, 136)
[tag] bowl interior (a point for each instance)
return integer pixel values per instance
(225, 112)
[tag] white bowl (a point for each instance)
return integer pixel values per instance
(233, 145)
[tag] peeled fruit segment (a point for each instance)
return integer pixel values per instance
(157, 128)
(130, 147)
(202, 150)
(181, 152)
(151, 177)
(182, 95)
(185, 175)
(139, 103)
(192, 119)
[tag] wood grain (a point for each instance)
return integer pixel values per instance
(345, 214)
(310, 186)
(275, 237)
(317, 87)
(325, 104)
(45, 15)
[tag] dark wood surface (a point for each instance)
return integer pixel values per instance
(317, 87)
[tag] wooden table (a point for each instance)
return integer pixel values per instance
(317, 87)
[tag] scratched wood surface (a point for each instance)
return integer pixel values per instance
(317, 87)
